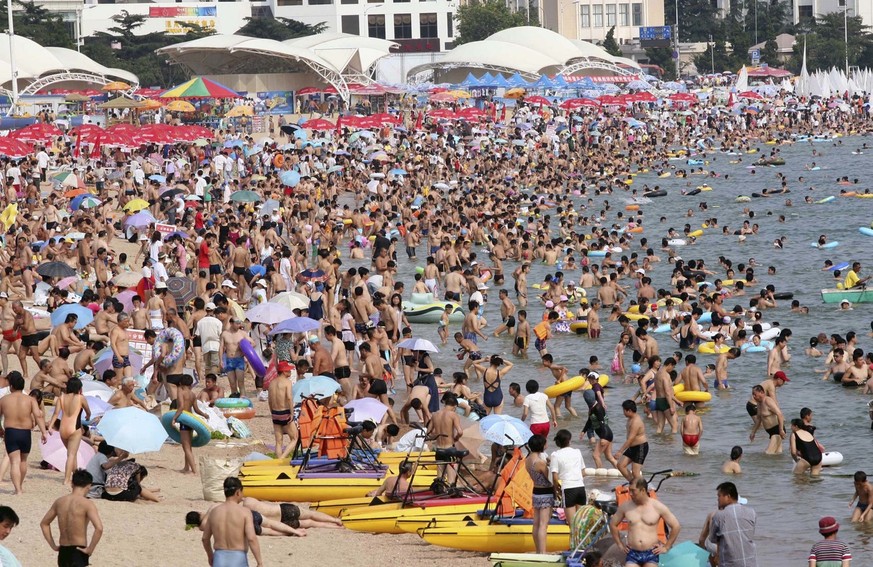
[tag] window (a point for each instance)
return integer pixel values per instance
(289, 2)
(402, 26)
(585, 16)
(351, 25)
(804, 12)
(610, 15)
(637, 13)
(450, 25)
(427, 25)
(348, 1)
(320, 2)
(401, 1)
(624, 15)
(598, 15)
(376, 26)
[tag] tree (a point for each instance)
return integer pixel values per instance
(826, 45)
(480, 19)
(610, 45)
(279, 29)
(137, 51)
(715, 58)
(770, 53)
(663, 58)
(37, 24)
(697, 18)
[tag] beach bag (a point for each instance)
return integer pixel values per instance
(212, 475)
(478, 409)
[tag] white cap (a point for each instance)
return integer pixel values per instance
(641, 271)
(261, 283)
(228, 283)
(4, 295)
(210, 306)
(160, 285)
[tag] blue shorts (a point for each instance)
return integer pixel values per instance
(641, 558)
(230, 558)
(235, 363)
(540, 344)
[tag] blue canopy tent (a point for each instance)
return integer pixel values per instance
(518, 81)
(500, 81)
(585, 83)
(487, 80)
(560, 82)
(471, 81)
(544, 82)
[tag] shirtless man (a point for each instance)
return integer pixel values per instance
(863, 510)
(770, 418)
(692, 377)
(45, 382)
(322, 362)
(11, 335)
(341, 368)
(211, 390)
(522, 335)
(233, 361)
(769, 385)
(19, 412)
(691, 429)
(858, 373)
(472, 326)
(445, 425)
(124, 397)
(559, 373)
(471, 349)
(120, 344)
(665, 403)
(632, 453)
(104, 321)
(240, 260)
(139, 315)
(281, 401)
(30, 339)
(74, 512)
(507, 314)
(233, 530)
(643, 514)
(778, 355)
(520, 277)
(418, 400)
(455, 283)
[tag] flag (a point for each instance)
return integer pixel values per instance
(339, 127)
(419, 120)
(503, 114)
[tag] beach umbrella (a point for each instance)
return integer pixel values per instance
(751, 95)
(60, 314)
(115, 86)
(316, 387)
(13, 148)
(335, 169)
(516, 92)
(39, 132)
(182, 289)
(418, 344)
(310, 274)
(290, 178)
(245, 197)
(133, 430)
(158, 178)
(319, 124)
(84, 201)
(127, 279)
(55, 270)
(289, 129)
(471, 437)
(126, 299)
(291, 300)
(55, 454)
(140, 219)
(97, 406)
(269, 313)
(538, 100)
(179, 233)
(367, 408)
(241, 110)
(397, 171)
(199, 87)
(67, 179)
(136, 205)
(296, 325)
(97, 389)
(269, 206)
(504, 429)
(67, 282)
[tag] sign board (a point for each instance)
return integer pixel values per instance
(175, 16)
(165, 228)
(418, 45)
(656, 36)
(756, 56)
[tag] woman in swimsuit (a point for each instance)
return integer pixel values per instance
(805, 450)
(491, 376)
(68, 411)
(543, 491)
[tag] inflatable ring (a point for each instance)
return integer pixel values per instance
(232, 403)
(697, 233)
(239, 413)
(635, 230)
(202, 435)
(574, 383)
(254, 360)
(709, 348)
(632, 207)
(579, 327)
(174, 338)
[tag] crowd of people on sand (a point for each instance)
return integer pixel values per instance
(510, 184)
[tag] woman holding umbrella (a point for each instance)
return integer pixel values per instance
(68, 411)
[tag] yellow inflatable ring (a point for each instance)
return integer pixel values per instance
(709, 348)
(574, 383)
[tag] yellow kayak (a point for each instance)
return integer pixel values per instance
(494, 538)
(385, 457)
(383, 519)
(293, 489)
(338, 505)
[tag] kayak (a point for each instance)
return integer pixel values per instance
(853, 295)
(383, 519)
(506, 536)
(525, 559)
(293, 489)
(385, 458)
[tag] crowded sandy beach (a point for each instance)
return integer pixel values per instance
(232, 348)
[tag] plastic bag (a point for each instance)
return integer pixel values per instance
(212, 475)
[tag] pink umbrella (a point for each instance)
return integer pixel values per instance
(67, 282)
(126, 299)
(55, 454)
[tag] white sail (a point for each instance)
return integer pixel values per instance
(742, 83)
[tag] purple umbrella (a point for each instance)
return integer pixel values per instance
(140, 219)
(126, 299)
(296, 325)
(55, 454)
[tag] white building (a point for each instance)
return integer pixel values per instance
(808, 9)
(590, 20)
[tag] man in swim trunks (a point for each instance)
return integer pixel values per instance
(120, 344)
(232, 528)
(233, 361)
(522, 335)
(342, 370)
(643, 515)
(665, 405)
(507, 314)
(281, 401)
(863, 510)
(74, 512)
(632, 453)
(691, 428)
(770, 418)
(19, 412)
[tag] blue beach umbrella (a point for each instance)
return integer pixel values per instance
(60, 314)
